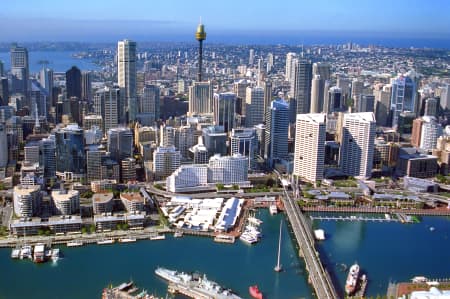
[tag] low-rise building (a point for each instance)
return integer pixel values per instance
(102, 202)
(66, 202)
(133, 201)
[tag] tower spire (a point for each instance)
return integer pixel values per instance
(200, 35)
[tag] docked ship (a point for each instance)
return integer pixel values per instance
(352, 279)
(196, 283)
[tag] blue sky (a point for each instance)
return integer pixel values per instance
(140, 19)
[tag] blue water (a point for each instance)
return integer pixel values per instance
(85, 271)
(387, 251)
(59, 61)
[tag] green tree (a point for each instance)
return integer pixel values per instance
(92, 228)
(83, 230)
(220, 186)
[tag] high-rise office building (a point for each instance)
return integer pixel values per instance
(165, 161)
(73, 82)
(309, 153)
(357, 147)
(382, 104)
(445, 96)
(149, 105)
(243, 141)
(254, 112)
(86, 86)
(106, 104)
(270, 62)
(20, 70)
(276, 132)
(120, 143)
(200, 98)
(317, 89)
(335, 101)
(240, 89)
(267, 85)
(3, 147)
(251, 57)
(126, 74)
(431, 131)
(46, 81)
(48, 157)
(215, 140)
(290, 62)
(301, 85)
(431, 107)
(128, 167)
(403, 97)
(4, 91)
(70, 154)
(365, 103)
(224, 110)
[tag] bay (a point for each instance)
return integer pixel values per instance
(85, 271)
(59, 61)
(386, 251)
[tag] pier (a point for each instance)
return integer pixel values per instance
(318, 276)
(353, 218)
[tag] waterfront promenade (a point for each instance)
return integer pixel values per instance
(318, 276)
(384, 210)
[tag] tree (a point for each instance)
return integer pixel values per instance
(92, 228)
(83, 230)
(220, 186)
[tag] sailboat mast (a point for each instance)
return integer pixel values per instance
(278, 266)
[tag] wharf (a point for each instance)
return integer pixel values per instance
(353, 218)
(126, 291)
(361, 289)
(377, 210)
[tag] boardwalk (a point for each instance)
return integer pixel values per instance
(374, 210)
(353, 218)
(318, 276)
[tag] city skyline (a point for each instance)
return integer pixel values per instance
(253, 21)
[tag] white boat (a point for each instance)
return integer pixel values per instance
(106, 241)
(352, 279)
(387, 216)
(39, 253)
(55, 254)
(224, 239)
(253, 231)
(273, 209)
(26, 252)
(255, 221)
(178, 234)
(248, 238)
(319, 234)
(15, 253)
(74, 244)
(158, 237)
(127, 240)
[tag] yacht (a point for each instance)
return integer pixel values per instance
(158, 237)
(105, 241)
(127, 240)
(15, 253)
(248, 238)
(55, 254)
(26, 252)
(273, 209)
(352, 279)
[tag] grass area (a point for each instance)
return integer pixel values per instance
(345, 183)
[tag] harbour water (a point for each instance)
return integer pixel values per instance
(85, 271)
(59, 61)
(388, 251)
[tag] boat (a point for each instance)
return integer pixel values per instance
(273, 209)
(278, 267)
(127, 240)
(55, 254)
(352, 279)
(26, 252)
(196, 283)
(158, 237)
(432, 229)
(319, 234)
(255, 292)
(39, 253)
(178, 234)
(255, 221)
(248, 238)
(15, 253)
(74, 244)
(252, 230)
(105, 241)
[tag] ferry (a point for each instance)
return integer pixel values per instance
(196, 283)
(105, 241)
(273, 209)
(352, 279)
(74, 244)
(127, 240)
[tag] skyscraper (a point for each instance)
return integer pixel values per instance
(335, 101)
(149, 104)
(200, 98)
(70, 155)
(20, 70)
(48, 157)
(3, 147)
(289, 69)
(46, 81)
(310, 147)
(301, 85)
(4, 91)
(243, 141)
(366, 103)
(73, 82)
(126, 75)
(431, 131)
(86, 86)
(357, 147)
(251, 57)
(120, 143)
(106, 104)
(254, 112)
(224, 110)
(276, 132)
(402, 97)
(321, 73)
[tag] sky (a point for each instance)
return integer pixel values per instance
(175, 20)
